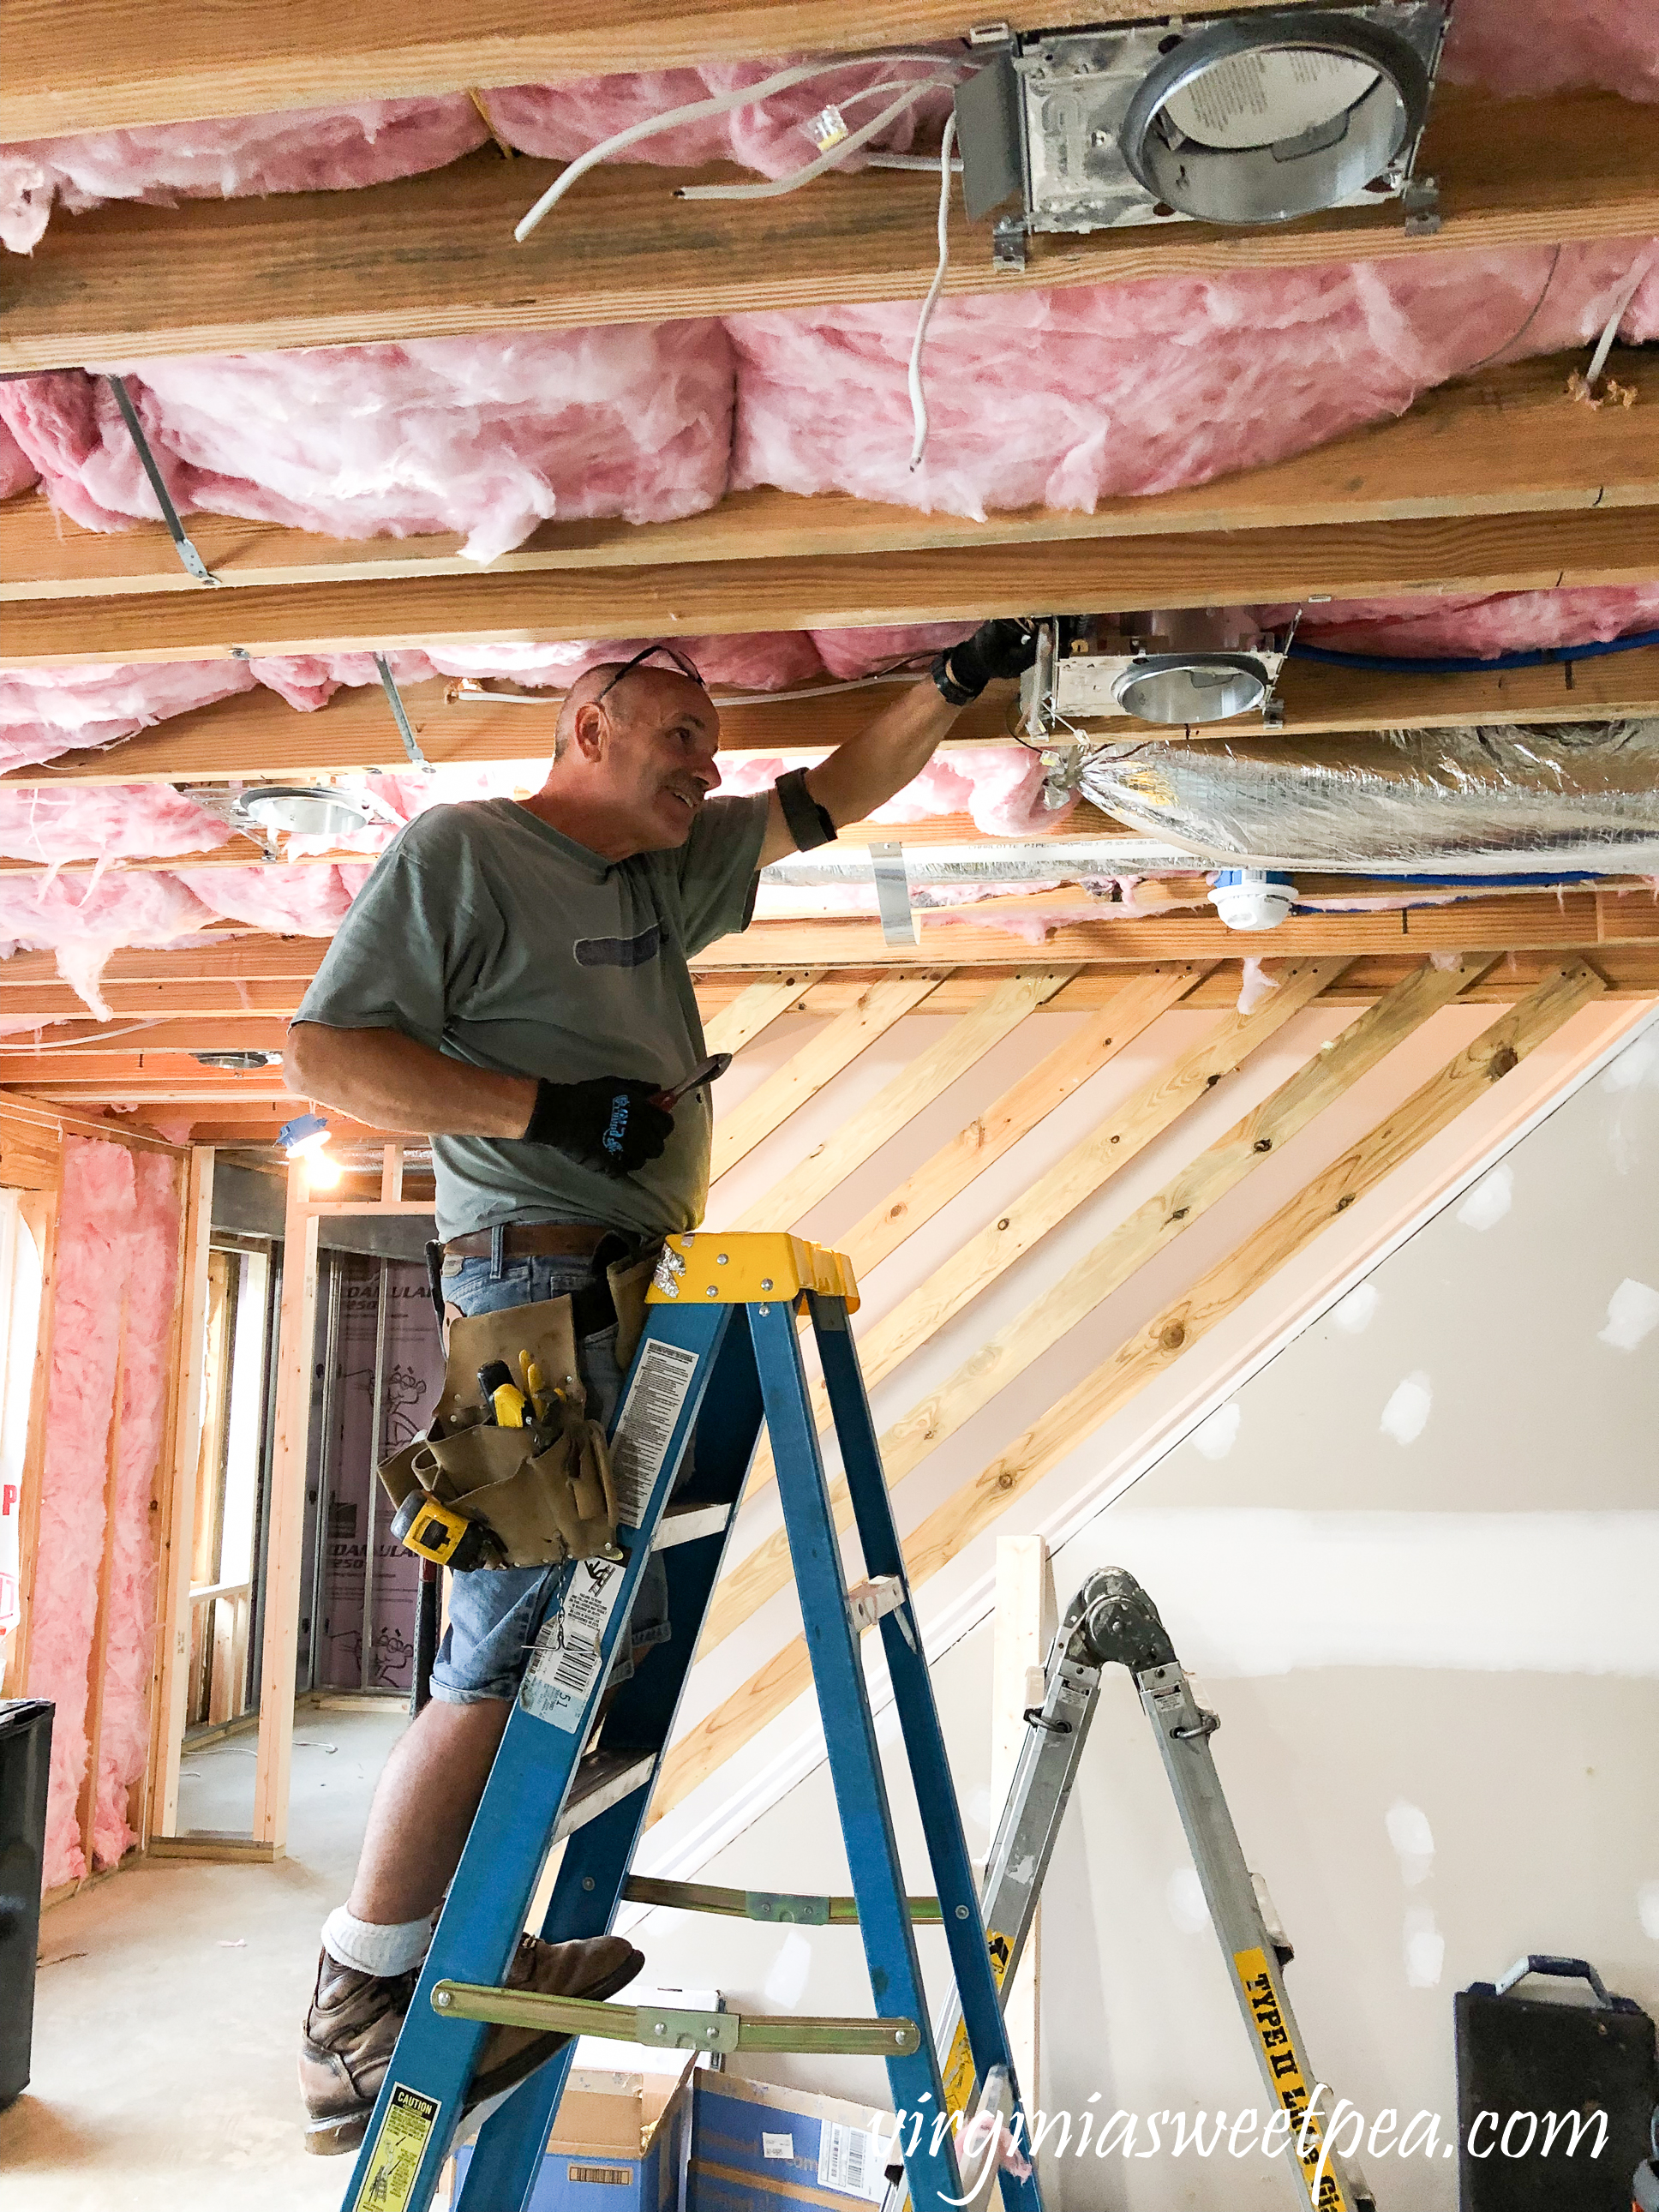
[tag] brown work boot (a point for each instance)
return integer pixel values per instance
(350, 2033)
(596, 1967)
(353, 2023)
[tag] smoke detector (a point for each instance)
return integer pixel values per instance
(1178, 668)
(1255, 118)
(1252, 899)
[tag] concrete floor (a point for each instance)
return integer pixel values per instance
(169, 2002)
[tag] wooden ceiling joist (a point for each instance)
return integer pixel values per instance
(1508, 440)
(256, 736)
(971, 1510)
(1379, 560)
(92, 65)
(434, 256)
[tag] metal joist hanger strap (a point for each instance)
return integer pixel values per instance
(400, 716)
(191, 560)
(898, 920)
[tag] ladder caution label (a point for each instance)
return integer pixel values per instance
(566, 1664)
(400, 2147)
(959, 2066)
(1285, 2068)
(661, 1380)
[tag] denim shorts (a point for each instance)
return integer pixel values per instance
(496, 1613)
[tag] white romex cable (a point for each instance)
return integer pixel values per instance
(918, 397)
(775, 187)
(695, 110)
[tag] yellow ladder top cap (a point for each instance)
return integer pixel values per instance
(748, 1268)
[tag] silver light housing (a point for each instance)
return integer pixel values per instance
(1247, 120)
(1181, 667)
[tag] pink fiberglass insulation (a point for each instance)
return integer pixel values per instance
(1458, 625)
(1511, 46)
(865, 652)
(294, 902)
(83, 919)
(1062, 399)
(103, 821)
(485, 436)
(47, 711)
(152, 1258)
(90, 1285)
(559, 121)
(17, 471)
(751, 660)
(303, 149)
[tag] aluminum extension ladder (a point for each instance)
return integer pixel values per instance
(1112, 1620)
(719, 1351)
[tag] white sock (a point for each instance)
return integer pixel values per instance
(375, 1947)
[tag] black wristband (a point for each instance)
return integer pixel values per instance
(809, 823)
(952, 693)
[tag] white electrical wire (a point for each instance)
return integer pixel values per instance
(474, 687)
(918, 397)
(69, 1045)
(1604, 343)
(768, 188)
(696, 111)
(927, 161)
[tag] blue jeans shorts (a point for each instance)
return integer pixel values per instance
(496, 1613)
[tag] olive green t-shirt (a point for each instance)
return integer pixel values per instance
(488, 935)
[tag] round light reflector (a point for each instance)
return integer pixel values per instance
(1183, 688)
(304, 810)
(1264, 117)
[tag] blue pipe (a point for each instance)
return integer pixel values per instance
(1386, 664)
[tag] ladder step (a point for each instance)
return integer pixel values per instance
(603, 1779)
(764, 1904)
(684, 1524)
(676, 2031)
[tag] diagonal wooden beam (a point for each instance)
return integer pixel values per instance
(1480, 554)
(818, 1061)
(94, 65)
(1507, 440)
(756, 1008)
(434, 256)
(955, 1524)
(1076, 1178)
(1001, 1010)
(1130, 1009)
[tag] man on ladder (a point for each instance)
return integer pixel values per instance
(513, 981)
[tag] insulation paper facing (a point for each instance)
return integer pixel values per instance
(1487, 801)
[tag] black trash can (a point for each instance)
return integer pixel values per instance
(25, 1763)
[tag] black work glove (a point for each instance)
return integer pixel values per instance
(609, 1122)
(1003, 648)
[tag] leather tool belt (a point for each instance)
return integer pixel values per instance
(541, 1493)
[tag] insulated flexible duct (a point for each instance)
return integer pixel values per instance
(1491, 801)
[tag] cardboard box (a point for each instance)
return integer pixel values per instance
(754, 2144)
(619, 2144)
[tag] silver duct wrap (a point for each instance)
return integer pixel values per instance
(1503, 800)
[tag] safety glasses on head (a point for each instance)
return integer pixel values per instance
(686, 667)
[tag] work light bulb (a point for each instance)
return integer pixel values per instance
(322, 1171)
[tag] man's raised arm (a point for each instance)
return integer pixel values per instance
(872, 768)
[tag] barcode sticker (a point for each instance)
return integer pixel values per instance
(777, 2146)
(852, 2160)
(646, 1424)
(561, 1676)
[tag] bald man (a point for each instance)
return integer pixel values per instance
(513, 981)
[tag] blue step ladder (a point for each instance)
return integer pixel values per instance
(719, 1352)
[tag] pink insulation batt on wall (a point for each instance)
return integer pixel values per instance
(116, 1253)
